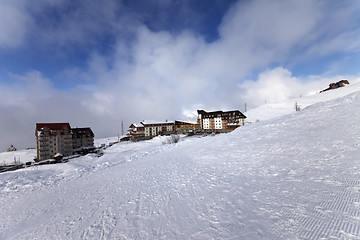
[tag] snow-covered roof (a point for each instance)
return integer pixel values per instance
(190, 122)
(148, 122)
(137, 125)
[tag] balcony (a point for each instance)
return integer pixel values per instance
(233, 124)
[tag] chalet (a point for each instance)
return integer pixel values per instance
(220, 121)
(53, 138)
(136, 132)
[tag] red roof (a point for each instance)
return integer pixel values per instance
(52, 126)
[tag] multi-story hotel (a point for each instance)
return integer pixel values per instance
(82, 137)
(53, 138)
(59, 138)
(220, 121)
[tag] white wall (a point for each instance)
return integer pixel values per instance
(218, 123)
(206, 123)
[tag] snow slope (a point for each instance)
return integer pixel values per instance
(293, 177)
(276, 109)
(23, 156)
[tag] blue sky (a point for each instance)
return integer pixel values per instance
(58, 21)
(96, 63)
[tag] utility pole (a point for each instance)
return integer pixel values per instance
(122, 127)
(245, 107)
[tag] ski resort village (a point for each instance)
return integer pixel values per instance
(288, 175)
(58, 140)
(180, 120)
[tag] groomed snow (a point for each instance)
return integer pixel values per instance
(293, 177)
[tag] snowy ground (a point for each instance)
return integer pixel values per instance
(106, 141)
(276, 109)
(23, 156)
(293, 177)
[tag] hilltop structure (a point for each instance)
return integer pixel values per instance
(11, 148)
(338, 84)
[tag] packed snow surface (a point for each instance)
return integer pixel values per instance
(293, 177)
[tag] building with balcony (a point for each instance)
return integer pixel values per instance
(182, 127)
(53, 138)
(82, 137)
(59, 138)
(220, 121)
(148, 129)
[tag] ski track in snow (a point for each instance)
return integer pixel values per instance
(296, 177)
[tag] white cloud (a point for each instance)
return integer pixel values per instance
(343, 42)
(14, 24)
(278, 84)
(162, 75)
(273, 85)
(31, 98)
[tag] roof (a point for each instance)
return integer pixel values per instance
(152, 122)
(52, 126)
(82, 131)
(184, 122)
(136, 125)
(206, 114)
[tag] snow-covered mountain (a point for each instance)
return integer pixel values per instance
(295, 176)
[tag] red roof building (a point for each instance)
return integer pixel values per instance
(53, 138)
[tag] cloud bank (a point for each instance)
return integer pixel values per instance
(150, 72)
